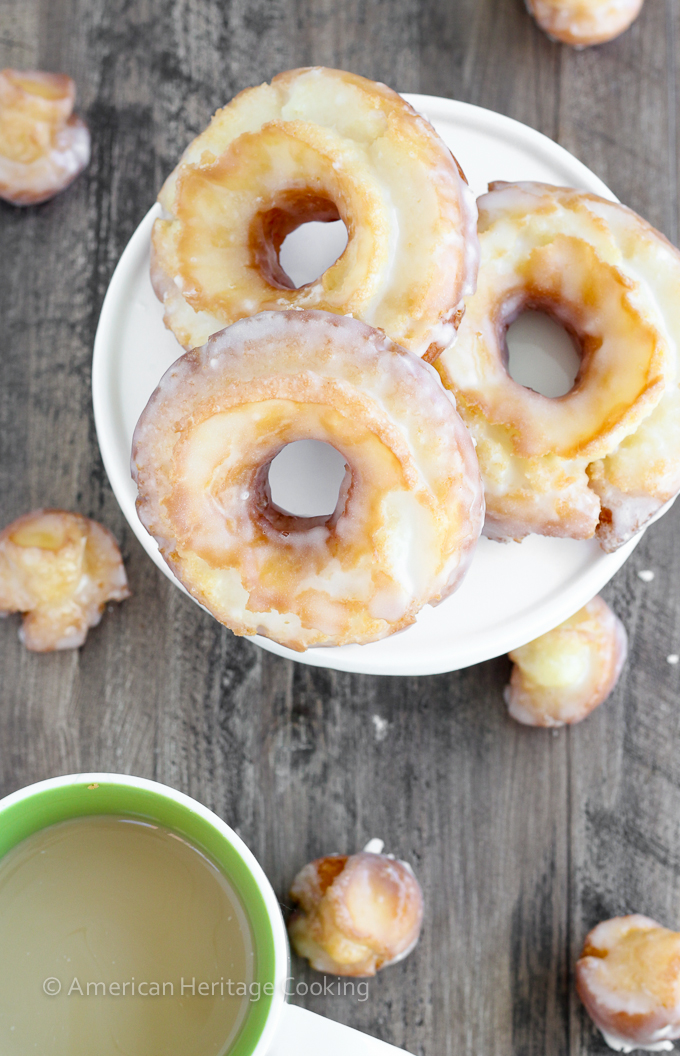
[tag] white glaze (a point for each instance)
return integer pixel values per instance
(620, 1045)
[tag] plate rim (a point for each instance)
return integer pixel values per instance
(576, 594)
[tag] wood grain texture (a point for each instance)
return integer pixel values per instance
(523, 839)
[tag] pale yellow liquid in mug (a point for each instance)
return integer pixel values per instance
(112, 903)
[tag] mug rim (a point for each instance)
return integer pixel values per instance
(265, 920)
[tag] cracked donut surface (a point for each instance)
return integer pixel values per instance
(43, 144)
(317, 144)
(584, 22)
(410, 508)
(605, 457)
(59, 569)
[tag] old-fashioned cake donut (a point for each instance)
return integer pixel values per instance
(317, 144)
(604, 457)
(409, 511)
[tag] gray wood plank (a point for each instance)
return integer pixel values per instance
(618, 113)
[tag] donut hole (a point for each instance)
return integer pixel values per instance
(305, 479)
(542, 354)
(312, 249)
(297, 239)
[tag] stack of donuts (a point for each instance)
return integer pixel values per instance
(396, 356)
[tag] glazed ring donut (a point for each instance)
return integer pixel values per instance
(317, 144)
(606, 456)
(584, 22)
(410, 508)
(43, 145)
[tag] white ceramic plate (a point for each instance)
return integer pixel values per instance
(513, 592)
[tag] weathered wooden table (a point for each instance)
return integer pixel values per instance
(522, 838)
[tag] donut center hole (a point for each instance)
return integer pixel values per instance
(305, 478)
(312, 249)
(298, 237)
(542, 355)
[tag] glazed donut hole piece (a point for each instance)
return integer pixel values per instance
(356, 914)
(317, 145)
(583, 23)
(409, 510)
(628, 978)
(565, 674)
(605, 457)
(58, 569)
(43, 145)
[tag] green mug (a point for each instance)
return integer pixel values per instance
(271, 1026)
